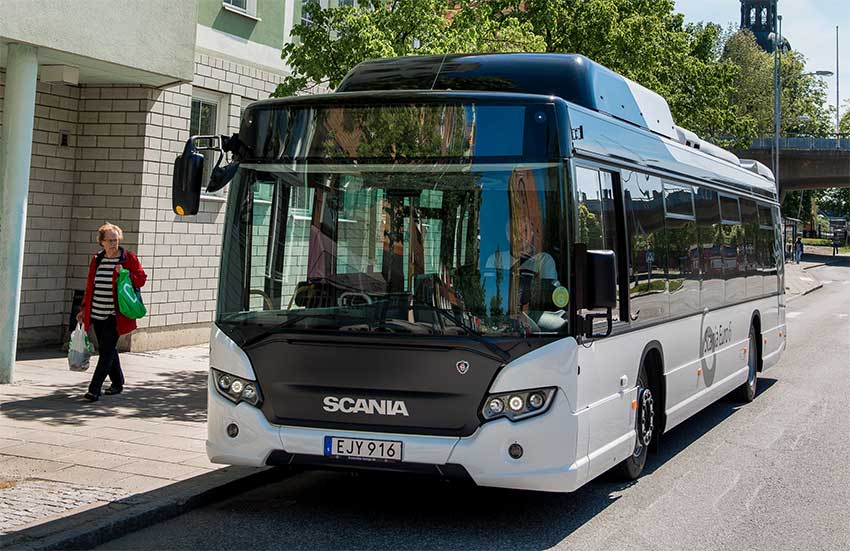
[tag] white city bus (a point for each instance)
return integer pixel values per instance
(512, 268)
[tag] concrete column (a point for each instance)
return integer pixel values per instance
(15, 154)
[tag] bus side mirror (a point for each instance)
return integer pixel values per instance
(596, 286)
(601, 279)
(187, 180)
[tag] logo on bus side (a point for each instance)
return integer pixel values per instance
(462, 367)
(716, 337)
(333, 404)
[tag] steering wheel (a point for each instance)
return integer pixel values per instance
(267, 301)
(341, 301)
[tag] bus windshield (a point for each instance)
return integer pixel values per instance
(435, 247)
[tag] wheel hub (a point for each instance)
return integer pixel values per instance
(646, 417)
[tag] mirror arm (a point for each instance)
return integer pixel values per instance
(588, 324)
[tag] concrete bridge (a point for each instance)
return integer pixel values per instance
(805, 163)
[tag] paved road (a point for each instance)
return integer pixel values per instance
(770, 475)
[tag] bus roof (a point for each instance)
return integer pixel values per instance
(572, 77)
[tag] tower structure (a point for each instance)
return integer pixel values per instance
(759, 16)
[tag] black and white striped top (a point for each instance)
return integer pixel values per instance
(103, 299)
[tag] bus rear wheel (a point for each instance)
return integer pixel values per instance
(645, 427)
(747, 392)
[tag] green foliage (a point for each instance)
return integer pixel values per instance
(844, 125)
(803, 96)
(341, 37)
(717, 81)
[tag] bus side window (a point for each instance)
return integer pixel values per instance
(644, 210)
(711, 247)
(733, 250)
(597, 218)
(751, 265)
(683, 265)
(770, 249)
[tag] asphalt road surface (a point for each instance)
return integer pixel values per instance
(770, 475)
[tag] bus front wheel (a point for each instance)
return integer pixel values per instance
(645, 427)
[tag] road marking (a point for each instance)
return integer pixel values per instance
(806, 279)
(842, 316)
(793, 314)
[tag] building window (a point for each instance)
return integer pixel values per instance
(206, 118)
(243, 7)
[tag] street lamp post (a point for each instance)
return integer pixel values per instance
(777, 106)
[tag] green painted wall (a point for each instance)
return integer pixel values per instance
(268, 31)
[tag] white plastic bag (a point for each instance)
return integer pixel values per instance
(79, 350)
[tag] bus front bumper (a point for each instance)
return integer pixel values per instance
(548, 462)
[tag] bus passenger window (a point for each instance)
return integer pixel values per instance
(644, 210)
(732, 235)
(683, 264)
(711, 247)
(751, 265)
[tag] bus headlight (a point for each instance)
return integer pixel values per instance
(518, 405)
(237, 389)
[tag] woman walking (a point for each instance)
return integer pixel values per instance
(99, 308)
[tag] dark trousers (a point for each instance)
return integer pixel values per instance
(108, 363)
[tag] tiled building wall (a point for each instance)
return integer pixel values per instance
(185, 250)
(117, 166)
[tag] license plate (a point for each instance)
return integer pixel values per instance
(360, 448)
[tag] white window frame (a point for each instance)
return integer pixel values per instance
(250, 10)
(222, 113)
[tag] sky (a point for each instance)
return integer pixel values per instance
(808, 24)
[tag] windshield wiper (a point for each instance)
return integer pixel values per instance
(283, 325)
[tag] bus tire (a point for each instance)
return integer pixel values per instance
(646, 424)
(747, 392)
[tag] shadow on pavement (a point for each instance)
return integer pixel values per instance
(177, 396)
(826, 258)
(391, 511)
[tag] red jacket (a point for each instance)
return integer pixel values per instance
(137, 276)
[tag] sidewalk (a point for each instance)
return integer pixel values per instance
(73, 469)
(801, 279)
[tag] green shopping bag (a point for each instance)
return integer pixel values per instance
(129, 298)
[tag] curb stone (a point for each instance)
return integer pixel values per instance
(96, 525)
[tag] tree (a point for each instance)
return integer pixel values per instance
(844, 125)
(339, 38)
(645, 40)
(803, 96)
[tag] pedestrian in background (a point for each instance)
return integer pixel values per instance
(835, 244)
(100, 309)
(798, 250)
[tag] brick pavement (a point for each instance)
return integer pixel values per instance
(60, 454)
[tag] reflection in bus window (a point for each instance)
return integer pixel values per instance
(683, 265)
(644, 209)
(711, 247)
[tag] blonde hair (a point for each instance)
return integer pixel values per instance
(101, 231)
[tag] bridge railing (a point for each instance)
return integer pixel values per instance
(806, 143)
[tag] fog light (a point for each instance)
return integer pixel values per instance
(496, 406)
(515, 450)
(536, 400)
(516, 403)
(237, 386)
(233, 430)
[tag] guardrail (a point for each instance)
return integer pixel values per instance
(804, 143)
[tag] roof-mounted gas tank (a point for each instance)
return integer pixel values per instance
(572, 77)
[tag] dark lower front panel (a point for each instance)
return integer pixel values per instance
(401, 386)
(280, 458)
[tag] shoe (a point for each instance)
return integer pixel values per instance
(91, 397)
(110, 391)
